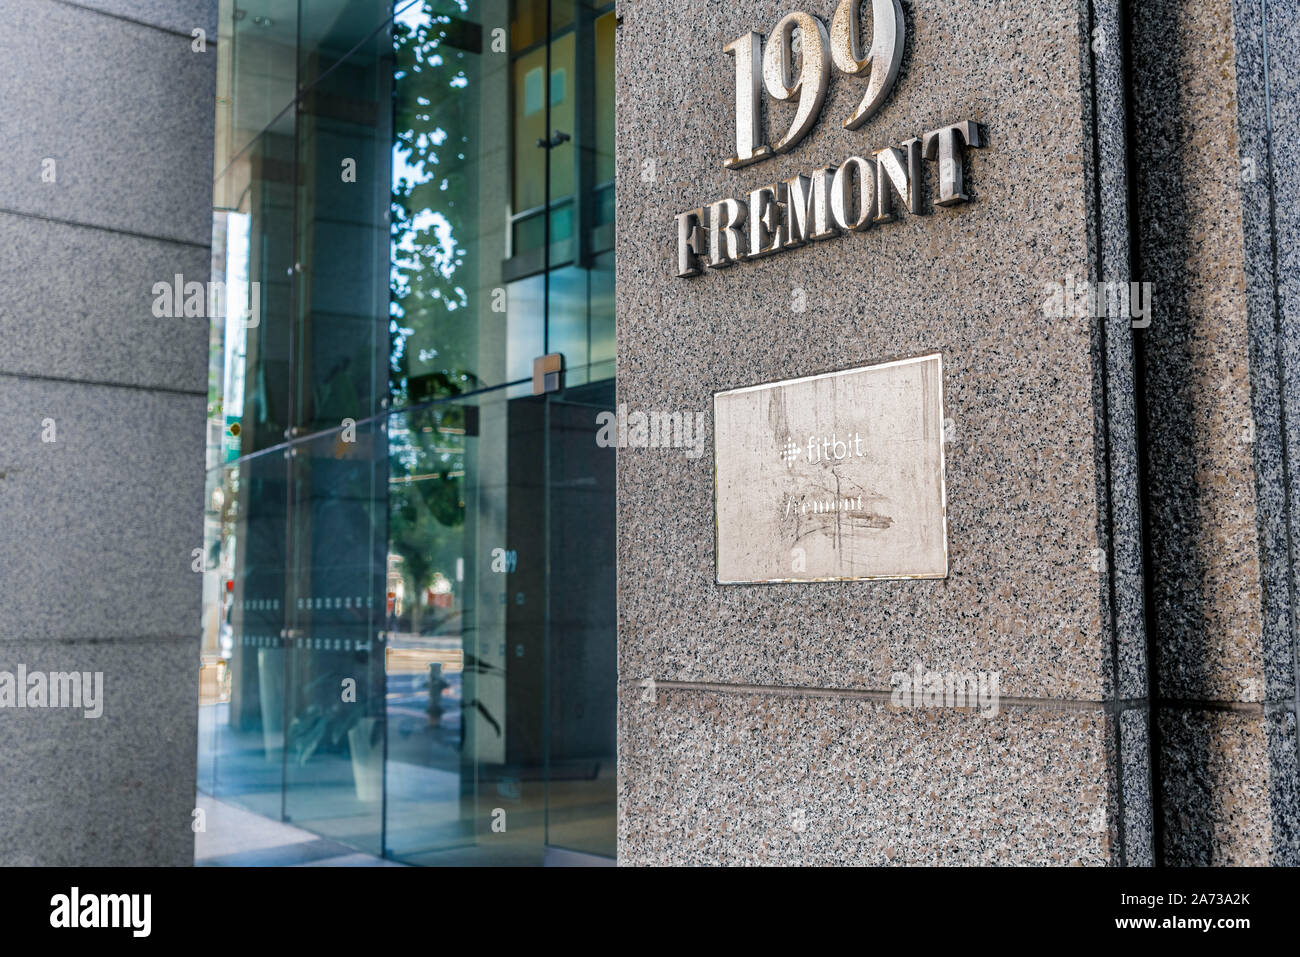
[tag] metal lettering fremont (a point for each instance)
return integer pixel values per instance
(795, 65)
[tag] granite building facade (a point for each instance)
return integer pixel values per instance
(104, 190)
(1118, 480)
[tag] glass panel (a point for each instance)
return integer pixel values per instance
(466, 768)
(256, 76)
(241, 710)
(604, 99)
(432, 608)
(449, 200)
(602, 317)
(579, 493)
(530, 231)
(241, 714)
(605, 209)
(337, 31)
(342, 271)
(216, 641)
(334, 685)
(528, 21)
(252, 255)
(530, 126)
(583, 626)
(531, 93)
(526, 329)
(568, 321)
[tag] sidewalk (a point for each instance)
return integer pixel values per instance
(234, 837)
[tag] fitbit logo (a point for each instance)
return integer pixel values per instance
(830, 448)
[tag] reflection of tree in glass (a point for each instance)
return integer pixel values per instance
(430, 202)
(426, 506)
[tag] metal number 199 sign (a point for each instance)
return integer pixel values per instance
(816, 50)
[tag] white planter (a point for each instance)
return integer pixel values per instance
(367, 761)
(270, 693)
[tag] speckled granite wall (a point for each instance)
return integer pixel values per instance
(1222, 397)
(102, 412)
(755, 723)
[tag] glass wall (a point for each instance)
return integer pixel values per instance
(409, 617)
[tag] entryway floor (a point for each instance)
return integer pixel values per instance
(233, 837)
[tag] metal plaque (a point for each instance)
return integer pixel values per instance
(835, 477)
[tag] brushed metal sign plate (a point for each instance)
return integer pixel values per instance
(834, 477)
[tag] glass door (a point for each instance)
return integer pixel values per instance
(582, 627)
(571, 511)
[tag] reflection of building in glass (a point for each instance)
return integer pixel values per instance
(423, 214)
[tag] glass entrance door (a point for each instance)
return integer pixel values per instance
(582, 637)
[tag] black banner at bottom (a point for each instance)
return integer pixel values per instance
(236, 907)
